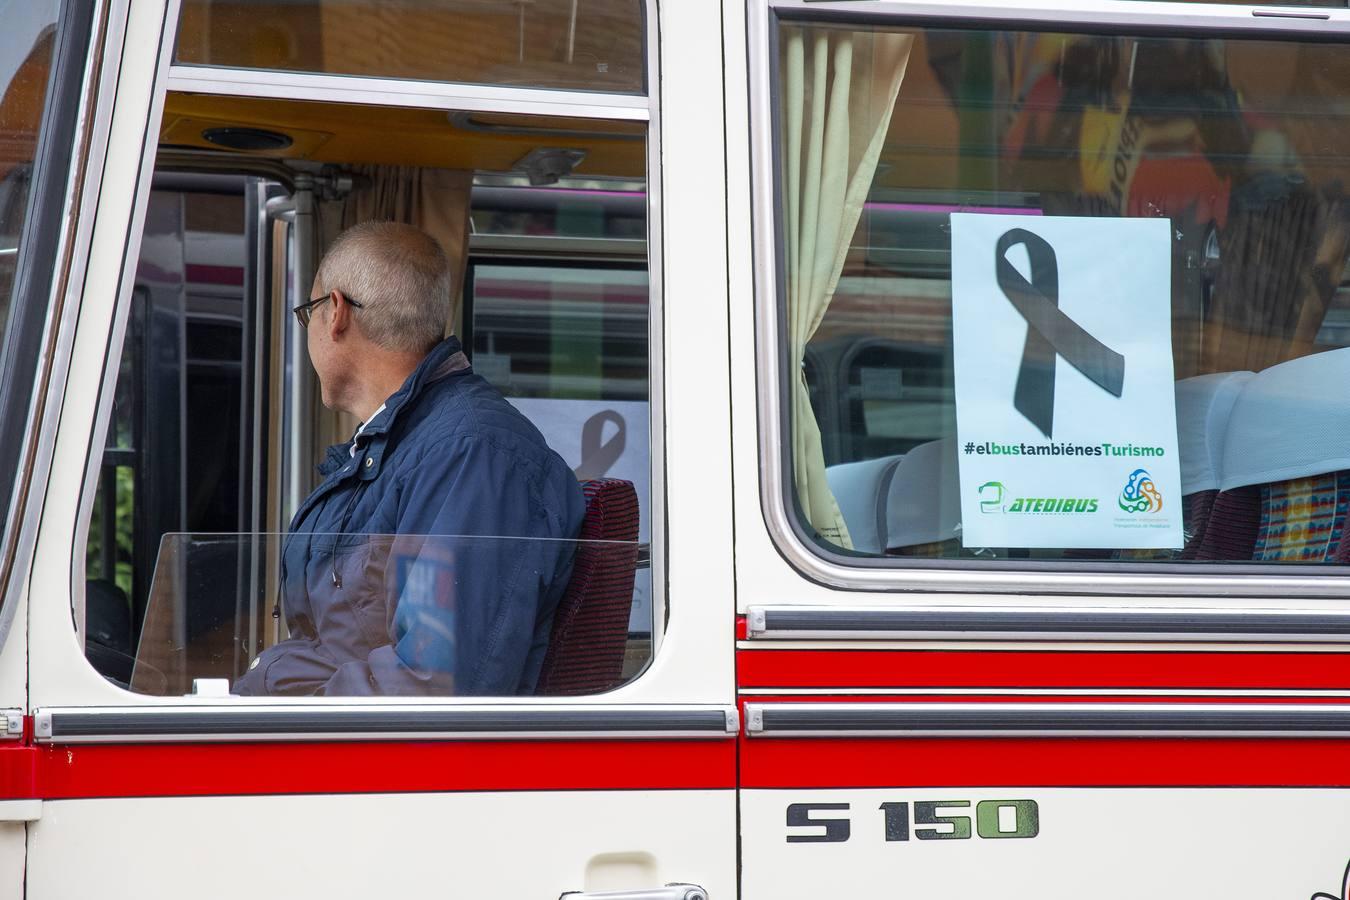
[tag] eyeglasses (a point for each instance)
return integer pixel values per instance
(304, 310)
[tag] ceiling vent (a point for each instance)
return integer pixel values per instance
(255, 139)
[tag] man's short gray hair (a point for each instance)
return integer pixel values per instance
(400, 276)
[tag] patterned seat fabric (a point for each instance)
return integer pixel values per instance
(590, 628)
(1300, 520)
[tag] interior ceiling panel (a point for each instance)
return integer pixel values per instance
(349, 134)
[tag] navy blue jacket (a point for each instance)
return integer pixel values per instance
(378, 600)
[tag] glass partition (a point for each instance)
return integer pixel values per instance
(1064, 297)
(380, 615)
(560, 44)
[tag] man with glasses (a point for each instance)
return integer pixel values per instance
(432, 556)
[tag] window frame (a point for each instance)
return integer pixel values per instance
(450, 97)
(29, 347)
(777, 492)
(578, 95)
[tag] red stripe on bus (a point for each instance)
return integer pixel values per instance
(1041, 669)
(195, 770)
(1043, 762)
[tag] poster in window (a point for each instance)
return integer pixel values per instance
(1065, 406)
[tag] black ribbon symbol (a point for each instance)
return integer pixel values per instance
(1050, 333)
(599, 455)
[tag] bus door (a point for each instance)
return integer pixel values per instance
(534, 142)
(44, 110)
(1040, 520)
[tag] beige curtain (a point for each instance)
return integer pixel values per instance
(839, 90)
(435, 200)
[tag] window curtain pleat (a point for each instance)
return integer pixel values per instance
(1281, 264)
(840, 90)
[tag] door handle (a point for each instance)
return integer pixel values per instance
(669, 892)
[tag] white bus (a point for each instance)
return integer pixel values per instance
(957, 389)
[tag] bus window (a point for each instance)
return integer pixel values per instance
(27, 63)
(43, 57)
(216, 420)
(1233, 143)
(176, 455)
(558, 44)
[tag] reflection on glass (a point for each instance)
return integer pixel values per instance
(173, 460)
(561, 332)
(25, 62)
(592, 46)
(567, 346)
(1239, 144)
(378, 615)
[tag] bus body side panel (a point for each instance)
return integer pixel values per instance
(151, 814)
(470, 827)
(1218, 780)
(13, 696)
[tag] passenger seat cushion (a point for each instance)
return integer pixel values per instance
(1302, 519)
(1195, 516)
(590, 628)
(1234, 521)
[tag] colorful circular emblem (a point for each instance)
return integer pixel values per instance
(1140, 494)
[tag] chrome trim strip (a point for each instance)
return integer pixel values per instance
(1033, 692)
(1136, 15)
(400, 92)
(797, 720)
(1000, 623)
(248, 722)
(775, 501)
(658, 526)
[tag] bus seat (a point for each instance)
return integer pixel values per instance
(1234, 519)
(590, 628)
(1204, 404)
(861, 490)
(1302, 519)
(1285, 477)
(923, 505)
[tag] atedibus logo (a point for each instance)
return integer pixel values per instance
(994, 499)
(991, 497)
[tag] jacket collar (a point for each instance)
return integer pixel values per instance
(445, 359)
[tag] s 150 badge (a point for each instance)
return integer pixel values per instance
(931, 820)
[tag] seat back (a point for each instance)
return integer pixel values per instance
(1302, 519)
(590, 627)
(1204, 405)
(923, 503)
(861, 489)
(1285, 475)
